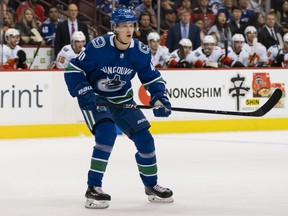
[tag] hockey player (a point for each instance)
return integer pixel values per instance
(236, 53)
(257, 51)
(210, 55)
(14, 56)
(178, 56)
(70, 51)
(276, 53)
(103, 73)
(160, 54)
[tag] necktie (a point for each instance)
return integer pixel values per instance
(185, 32)
(272, 34)
(72, 29)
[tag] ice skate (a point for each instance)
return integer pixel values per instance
(96, 198)
(159, 194)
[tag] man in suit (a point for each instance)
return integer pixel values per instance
(268, 35)
(67, 28)
(183, 29)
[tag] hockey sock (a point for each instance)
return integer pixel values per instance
(105, 135)
(146, 157)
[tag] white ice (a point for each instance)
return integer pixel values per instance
(211, 174)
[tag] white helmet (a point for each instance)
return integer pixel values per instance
(285, 38)
(251, 29)
(153, 36)
(11, 32)
(238, 37)
(185, 42)
(78, 36)
(208, 39)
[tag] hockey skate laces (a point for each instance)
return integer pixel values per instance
(159, 188)
(99, 190)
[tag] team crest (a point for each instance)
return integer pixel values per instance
(143, 48)
(98, 42)
(110, 85)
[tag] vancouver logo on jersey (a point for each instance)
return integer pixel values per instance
(110, 85)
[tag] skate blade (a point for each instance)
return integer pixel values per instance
(157, 199)
(96, 204)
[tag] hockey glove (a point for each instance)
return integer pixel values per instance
(86, 96)
(162, 105)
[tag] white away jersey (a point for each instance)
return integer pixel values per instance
(198, 54)
(260, 50)
(161, 57)
(65, 56)
(241, 57)
(9, 53)
(274, 51)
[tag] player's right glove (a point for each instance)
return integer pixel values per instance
(161, 104)
(86, 96)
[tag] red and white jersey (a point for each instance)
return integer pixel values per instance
(10, 54)
(65, 55)
(260, 50)
(198, 54)
(241, 57)
(161, 57)
(273, 52)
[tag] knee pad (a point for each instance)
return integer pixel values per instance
(144, 142)
(105, 133)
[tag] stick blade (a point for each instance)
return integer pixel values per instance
(273, 100)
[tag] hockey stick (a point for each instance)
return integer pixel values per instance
(272, 101)
(39, 41)
(254, 48)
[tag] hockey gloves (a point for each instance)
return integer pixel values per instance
(86, 96)
(162, 105)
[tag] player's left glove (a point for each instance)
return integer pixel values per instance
(86, 96)
(161, 104)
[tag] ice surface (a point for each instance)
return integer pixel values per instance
(211, 174)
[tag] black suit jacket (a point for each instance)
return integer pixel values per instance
(63, 37)
(265, 37)
(174, 36)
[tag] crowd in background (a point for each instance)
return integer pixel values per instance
(193, 33)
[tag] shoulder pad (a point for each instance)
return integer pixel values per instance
(143, 48)
(98, 42)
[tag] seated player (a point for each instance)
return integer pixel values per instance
(14, 57)
(236, 53)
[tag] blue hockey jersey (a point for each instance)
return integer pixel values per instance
(109, 71)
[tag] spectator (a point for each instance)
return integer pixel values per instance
(8, 21)
(166, 5)
(205, 13)
(70, 51)
(160, 54)
(49, 26)
(268, 35)
(183, 29)
(178, 56)
(68, 27)
(144, 28)
(246, 12)
(257, 51)
(14, 56)
(227, 8)
(235, 24)
(221, 28)
(200, 24)
(236, 53)
(257, 20)
(185, 4)
(37, 9)
(26, 23)
(7, 7)
(282, 16)
(168, 21)
(215, 5)
(146, 6)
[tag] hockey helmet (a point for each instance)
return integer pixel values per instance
(250, 29)
(153, 36)
(185, 42)
(78, 36)
(208, 39)
(120, 15)
(11, 32)
(238, 37)
(285, 38)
